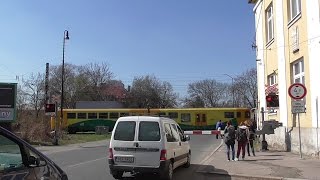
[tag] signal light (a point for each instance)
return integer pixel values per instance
(50, 108)
(272, 100)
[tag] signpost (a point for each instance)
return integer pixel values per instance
(298, 91)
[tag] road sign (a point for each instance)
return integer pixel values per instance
(297, 91)
(298, 107)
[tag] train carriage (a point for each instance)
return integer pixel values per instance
(84, 120)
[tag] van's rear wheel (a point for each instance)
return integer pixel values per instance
(117, 174)
(167, 175)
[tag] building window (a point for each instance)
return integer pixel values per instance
(295, 8)
(269, 21)
(298, 71)
(272, 79)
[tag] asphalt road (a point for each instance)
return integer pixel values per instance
(90, 162)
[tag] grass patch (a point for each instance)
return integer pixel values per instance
(81, 138)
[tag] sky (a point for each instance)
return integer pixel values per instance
(178, 41)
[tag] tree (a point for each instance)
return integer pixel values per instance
(55, 80)
(245, 88)
(95, 75)
(150, 92)
(209, 91)
(193, 102)
(34, 92)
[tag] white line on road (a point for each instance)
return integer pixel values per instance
(207, 158)
(74, 165)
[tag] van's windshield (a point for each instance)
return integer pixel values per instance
(125, 131)
(149, 131)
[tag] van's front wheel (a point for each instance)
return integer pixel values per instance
(188, 163)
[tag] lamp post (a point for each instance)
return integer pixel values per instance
(232, 88)
(65, 37)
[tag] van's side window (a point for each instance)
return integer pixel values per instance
(125, 131)
(168, 131)
(175, 132)
(149, 131)
(10, 155)
(179, 131)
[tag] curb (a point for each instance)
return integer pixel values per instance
(214, 151)
(248, 176)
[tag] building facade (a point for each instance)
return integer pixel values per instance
(288, 51)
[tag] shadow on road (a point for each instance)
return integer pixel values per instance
(194, 172)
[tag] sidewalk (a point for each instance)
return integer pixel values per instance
(265, 165)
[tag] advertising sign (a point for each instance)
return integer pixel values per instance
(8, 93)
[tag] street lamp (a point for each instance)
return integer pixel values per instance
(232, 88)
(65, 37)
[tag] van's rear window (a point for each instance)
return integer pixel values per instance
(125, 131)
(149, 131)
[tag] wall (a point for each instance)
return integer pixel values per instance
(288, 140)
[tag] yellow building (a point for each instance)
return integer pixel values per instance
(288, 51)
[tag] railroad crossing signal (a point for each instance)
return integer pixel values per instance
(50, 108)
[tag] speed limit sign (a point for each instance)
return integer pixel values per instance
(297, 91)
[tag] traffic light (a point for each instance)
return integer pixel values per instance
(272, 100)
(49, 108)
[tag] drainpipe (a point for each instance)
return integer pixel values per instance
(317, 129)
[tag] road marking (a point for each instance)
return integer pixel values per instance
(74, 165)
(207, 158)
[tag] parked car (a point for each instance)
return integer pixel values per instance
(145, 144)
(19, 160)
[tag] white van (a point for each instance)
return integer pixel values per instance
(145, 144)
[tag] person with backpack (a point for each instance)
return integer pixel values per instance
(242, 135)
(230, 140)
(251, 138)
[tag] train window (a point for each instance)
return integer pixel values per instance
(114, 115)
(185, 117)
(92, 115)
(82, 115)
(228, 114)
(71, 115)
(124, 114)
(173, 115)
(247, 114)
(238, 114)
(103, 115)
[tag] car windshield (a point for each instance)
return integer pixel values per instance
(125, 131)
(149, 131)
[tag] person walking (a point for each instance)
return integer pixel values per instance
(242, 136)
(230, 140)
(251, 138)
(218, 128)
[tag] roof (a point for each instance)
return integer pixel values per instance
(98, 104)
(143, 118)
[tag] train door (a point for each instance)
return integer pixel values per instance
(201, 119)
